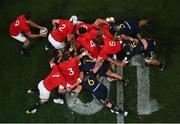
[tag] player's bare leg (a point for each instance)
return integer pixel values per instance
(61, 96)
(143, 22)
(76, 91)
(48, 46)
(33, 90)
(32, 109)
(113, 109)
(156, 63)
(25, 47)
(117, 76)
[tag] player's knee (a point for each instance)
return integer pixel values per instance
(26, 42)
(107, 104)
(78, 89)
(109, 73)
(42, 101)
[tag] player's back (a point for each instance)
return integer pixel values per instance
(70, 70)
(134, 48)
(106, 30)
(110, 47)
(87, 42)
(54, 79)
(87, 26)
(90, 83)
(87, 64)
(65, 27)
(129, 27)
(19, 25)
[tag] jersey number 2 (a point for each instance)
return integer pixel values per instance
(62, 27)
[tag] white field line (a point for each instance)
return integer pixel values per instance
(145, 105)
(75, 104)
(143, 91)
(120, 97)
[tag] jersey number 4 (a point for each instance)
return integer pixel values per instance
(92, 43)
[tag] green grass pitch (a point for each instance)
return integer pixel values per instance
(18, 73)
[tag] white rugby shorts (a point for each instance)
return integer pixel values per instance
(43, 92)
(54, 43)
(20, 37)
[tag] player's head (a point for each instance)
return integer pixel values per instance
(110, 20)
(65, 57)
(144, 22)
(27, 16)
(98, 42)
(82, 30)
(73, 19)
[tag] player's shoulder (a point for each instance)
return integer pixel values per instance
(55, 68)
(21, 18)
(74, 61)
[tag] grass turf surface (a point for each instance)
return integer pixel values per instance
(19, 73)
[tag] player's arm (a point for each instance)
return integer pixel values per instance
(35, 25)
(128, 38)
(29, 34)
(52, 62)
(54, 23)
(111, 60)
(98, 64)
(121, 64)
(99, 22)
(139, 36)
(81, 55)
(70, 37)
(79, 80)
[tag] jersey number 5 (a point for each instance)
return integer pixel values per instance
(112, 43)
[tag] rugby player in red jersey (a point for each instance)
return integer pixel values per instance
(70, 70)
(59, 33)
(108, 47)
(87, 42)
(62, 30)
(85, 25)
(53, 80)
(20, 26)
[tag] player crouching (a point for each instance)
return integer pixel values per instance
(70, 69)
(53, 80)
(20, 30)
(99, 91)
